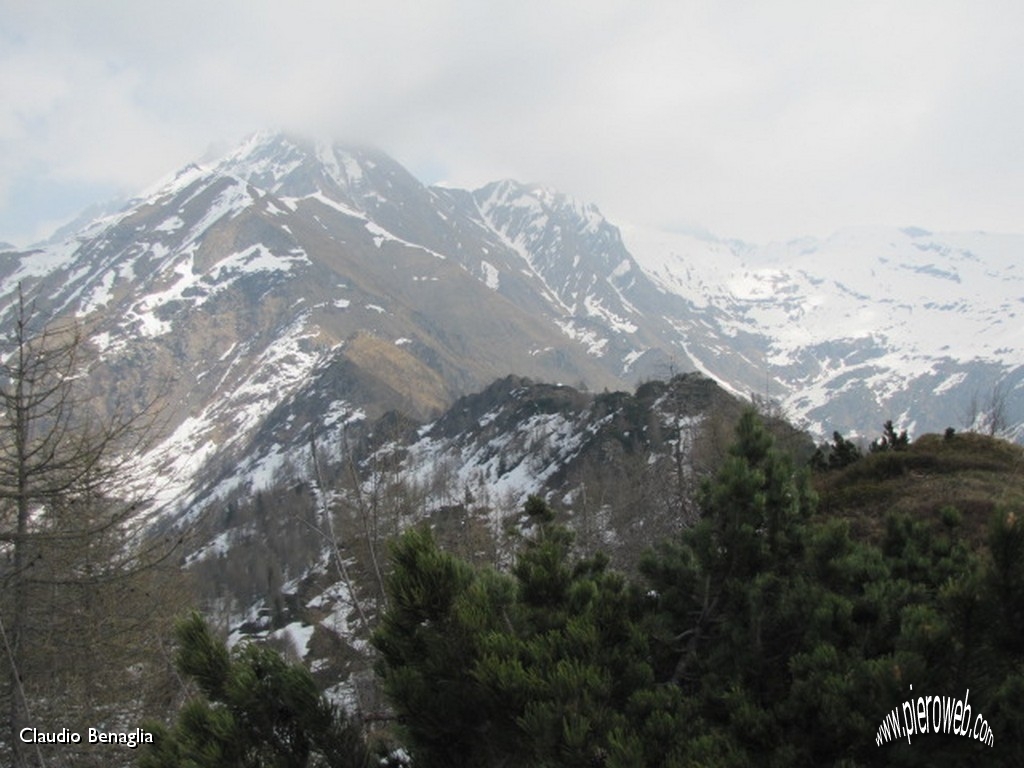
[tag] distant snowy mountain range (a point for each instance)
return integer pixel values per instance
(869, 323)
(295, 283)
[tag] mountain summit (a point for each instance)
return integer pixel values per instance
(294, 282)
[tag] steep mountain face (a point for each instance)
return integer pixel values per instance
(594, 290)
(294, 279)
(303, 558)
(315, 278)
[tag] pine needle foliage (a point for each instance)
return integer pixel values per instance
(767, 633)
(253, 709)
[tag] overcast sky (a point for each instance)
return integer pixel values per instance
(754, 120)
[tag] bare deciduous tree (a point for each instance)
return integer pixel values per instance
(76, 562)
(988, 414)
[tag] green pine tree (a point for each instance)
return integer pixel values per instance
(541, 668)
(430, 639)
(253, 710)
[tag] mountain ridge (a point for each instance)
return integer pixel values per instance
(291, 270)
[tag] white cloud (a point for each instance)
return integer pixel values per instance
(756, 120)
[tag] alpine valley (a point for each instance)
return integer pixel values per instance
(338, 350)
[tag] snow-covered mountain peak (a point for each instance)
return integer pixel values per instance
(326, 273)
(295, 167)
(540, 201)
(264, 160)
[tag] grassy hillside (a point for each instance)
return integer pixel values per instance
(970, 473)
